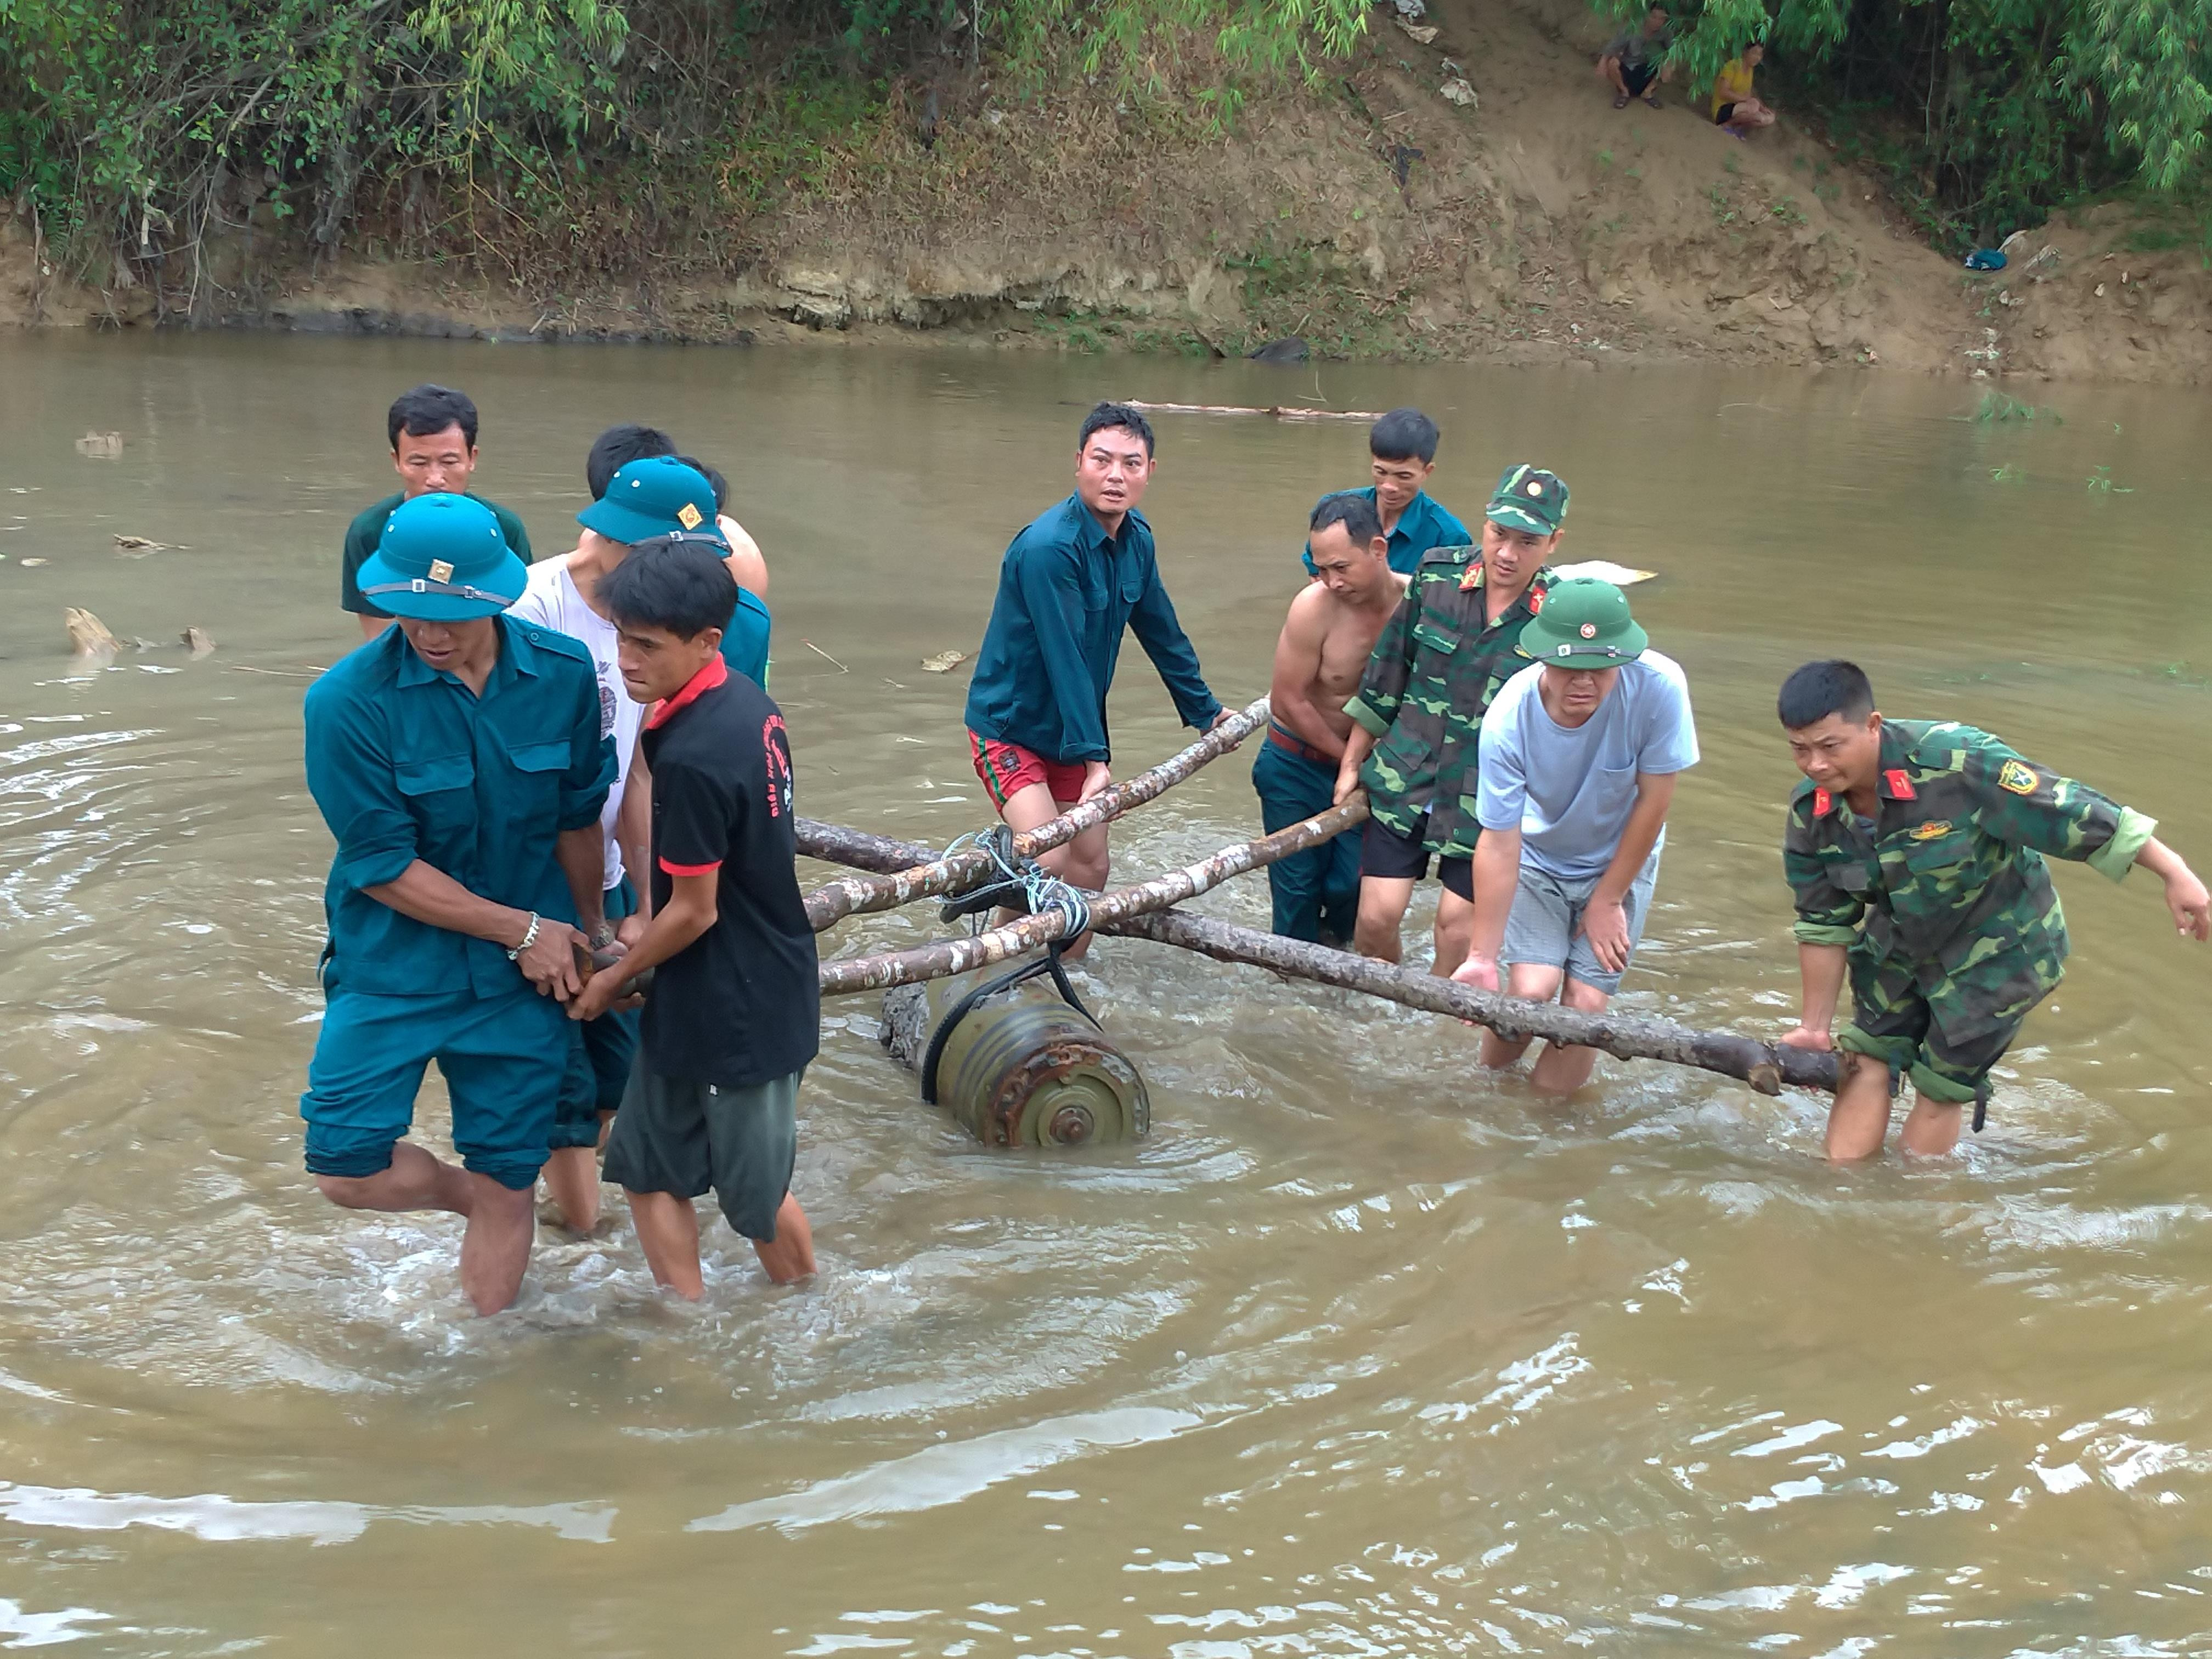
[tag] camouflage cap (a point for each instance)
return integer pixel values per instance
(1528, 498)
(1584, 624)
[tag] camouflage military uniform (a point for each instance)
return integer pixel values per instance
(1434, 671)
(1947, 906)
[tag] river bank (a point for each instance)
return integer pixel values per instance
(1378, 215)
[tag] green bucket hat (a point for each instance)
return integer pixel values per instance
(442, 559)
(657, 496)
(1584, 624)
(1528, 498)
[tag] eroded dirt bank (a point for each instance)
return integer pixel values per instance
(1372, 216)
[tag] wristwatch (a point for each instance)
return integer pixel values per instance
(529, 938)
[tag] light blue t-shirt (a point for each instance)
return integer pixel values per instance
(1569, 790)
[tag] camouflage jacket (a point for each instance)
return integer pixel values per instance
(1952, 874)
(1433, 672)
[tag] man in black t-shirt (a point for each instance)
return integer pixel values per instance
(735, 1014)
(433, 429)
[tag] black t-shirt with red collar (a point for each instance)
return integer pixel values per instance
(741, 1004)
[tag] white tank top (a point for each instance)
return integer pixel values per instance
(550, 599)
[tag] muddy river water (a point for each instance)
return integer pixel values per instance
(1362, 1352)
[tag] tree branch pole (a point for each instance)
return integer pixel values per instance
(856, 849)
(958, 955)
(1765, 1067)
(851, 895)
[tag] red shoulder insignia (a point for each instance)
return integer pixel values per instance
(1822, 802)
(1900, 787)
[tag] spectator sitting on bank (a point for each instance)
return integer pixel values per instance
(1631, 64)
(1736, 112)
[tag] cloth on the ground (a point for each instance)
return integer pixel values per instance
(1732, 85)
(681, 1136)
(1319, 888)
(405, 762)
(366, 534)
(1569, 790)
(1067, 591)
(1435, 668)
(741, 1004)
(1424, 524)
(1544, 929)
(503, 1058)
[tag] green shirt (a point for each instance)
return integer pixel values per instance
(1434, 669)
(366, 532)
(1952, 874)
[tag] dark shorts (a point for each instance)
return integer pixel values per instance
(503, 1058)
(683, 1138)
(1637, 79)
(599, 1062)
(1948, 1039)
(1721, 115)
(1385, 853)
(1005, 768)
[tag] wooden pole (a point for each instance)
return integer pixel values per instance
(856, 849)
(851, 895)
(958, 955)
(1765, 1067)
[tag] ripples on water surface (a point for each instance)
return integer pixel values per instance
(1361, 1353)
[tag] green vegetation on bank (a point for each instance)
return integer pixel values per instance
(567, 134)
(1984, 114)
(136, 127)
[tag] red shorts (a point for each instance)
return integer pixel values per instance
(1007, 767)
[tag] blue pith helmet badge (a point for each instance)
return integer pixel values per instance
(441, 570)
(689, 516)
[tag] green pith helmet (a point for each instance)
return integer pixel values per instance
(1528, 498)
(657, 496)
(1584, 624)
(442, 559)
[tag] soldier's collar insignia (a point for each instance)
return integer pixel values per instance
(1473, 580)
(2019, 779)
(1932, 828)
(1823, 803)
(1897, 787)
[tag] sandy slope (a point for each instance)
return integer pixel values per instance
(1539, 224)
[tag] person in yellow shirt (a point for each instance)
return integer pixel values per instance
(1735, 111)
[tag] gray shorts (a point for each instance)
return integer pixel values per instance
(1540, 932)
(672, 1135)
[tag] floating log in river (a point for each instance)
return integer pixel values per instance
(956, 873)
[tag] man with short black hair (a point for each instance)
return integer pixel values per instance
(1324, 645)
(1915, 852)
(1419, 711)
(432, 433)
(1402, 448)
(1579, 755)
(1070, 583)
(460, 763)
(618, 446)
(735, 1013)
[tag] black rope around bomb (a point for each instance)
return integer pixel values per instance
(1021, 884)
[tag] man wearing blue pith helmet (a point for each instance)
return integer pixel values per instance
(458, 762)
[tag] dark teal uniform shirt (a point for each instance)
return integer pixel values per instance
(406, 763)
(745, 641)
(1066, 591)
(1422, 525)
